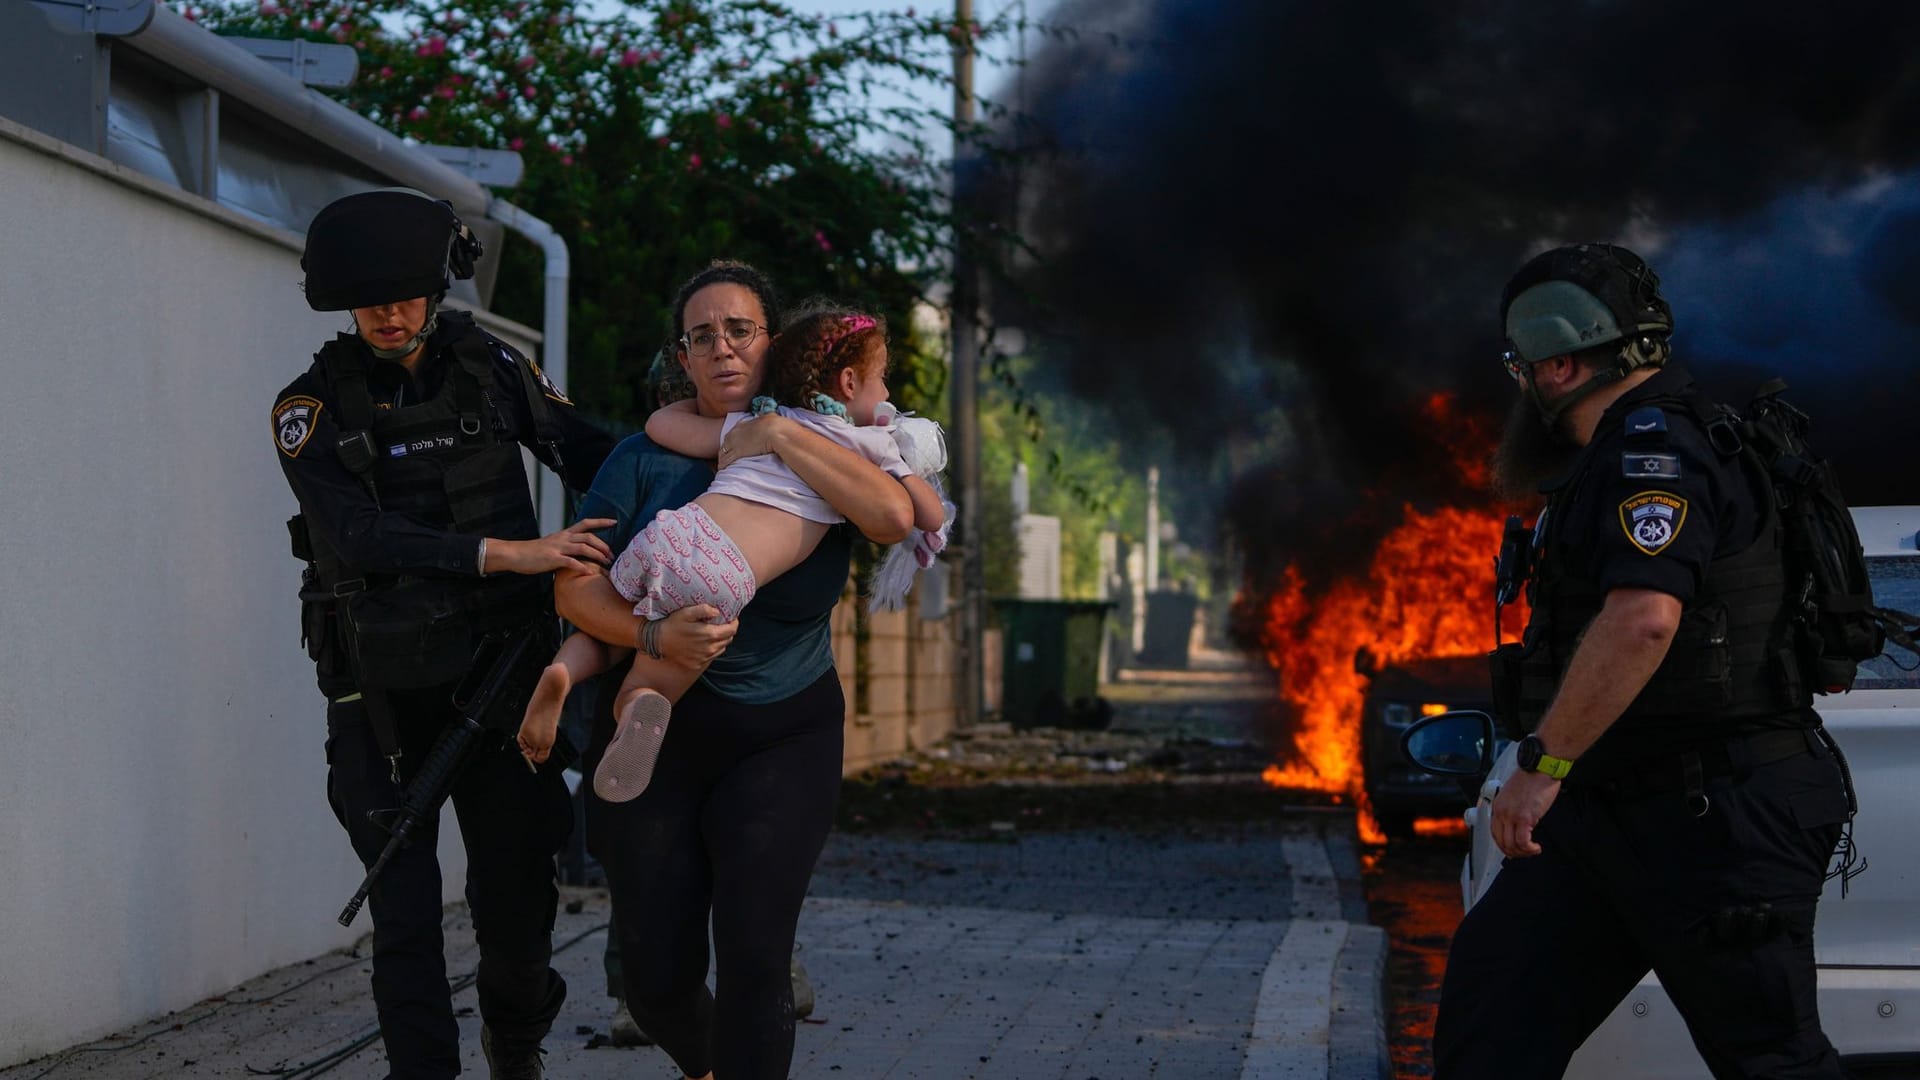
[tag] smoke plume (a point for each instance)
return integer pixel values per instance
(1286, 225)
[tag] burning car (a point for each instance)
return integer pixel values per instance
(1866, 942)
(1397, 695)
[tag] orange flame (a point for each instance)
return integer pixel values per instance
(1428, 593)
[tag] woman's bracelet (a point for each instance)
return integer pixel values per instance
(650, 639)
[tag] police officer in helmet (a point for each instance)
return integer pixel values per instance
(1676, 808)
(402, 444)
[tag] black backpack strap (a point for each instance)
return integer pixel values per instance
(344, 370)
(472, 377)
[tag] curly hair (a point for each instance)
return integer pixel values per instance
(726, 272)
(817, 345)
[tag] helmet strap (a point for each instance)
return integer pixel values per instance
(402, 350)
(1551, 414)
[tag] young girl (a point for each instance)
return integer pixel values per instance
(756, 521)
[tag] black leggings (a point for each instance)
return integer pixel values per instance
(730, 828)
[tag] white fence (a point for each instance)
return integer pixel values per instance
(164, 831)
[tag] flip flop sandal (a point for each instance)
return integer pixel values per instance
(627, 765)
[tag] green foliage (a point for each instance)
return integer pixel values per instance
(1077, 470)
(661, 136)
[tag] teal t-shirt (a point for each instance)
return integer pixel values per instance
(785, 641)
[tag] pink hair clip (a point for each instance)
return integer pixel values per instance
(849, 326)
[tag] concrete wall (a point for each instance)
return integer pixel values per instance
(910, 667)
(166, 832)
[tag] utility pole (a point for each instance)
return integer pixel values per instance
(964, 385)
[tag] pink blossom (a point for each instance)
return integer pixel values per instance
(630, 58)
(456, 79)
(445, 92)
(386, 73)
(722, 121)
(526, 62)
(664, 141)
(821, 239)
(433, 46)
(419, 113)
(693, 162)
(516, 144)
(566, 159)
(317, 24)
(529, 92)
(654, 55)
(269, 8)
(598, 51)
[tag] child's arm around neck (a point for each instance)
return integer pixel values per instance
(682, 430)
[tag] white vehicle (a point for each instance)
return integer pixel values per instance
(1866, 945)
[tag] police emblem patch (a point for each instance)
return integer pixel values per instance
(546, 384)
(1652, 519)
(293, 421)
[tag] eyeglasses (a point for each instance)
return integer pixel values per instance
(1516, 365)
(702, 339)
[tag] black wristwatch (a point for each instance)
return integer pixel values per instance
(1534, 758)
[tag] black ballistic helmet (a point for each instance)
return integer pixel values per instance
(381, 247)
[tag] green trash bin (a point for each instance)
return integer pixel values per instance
(1050, 661)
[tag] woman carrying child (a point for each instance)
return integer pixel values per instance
(742, 796)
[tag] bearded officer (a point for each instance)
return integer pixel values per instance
(403, 446)
(1675, 809)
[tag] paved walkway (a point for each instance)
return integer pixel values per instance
(1065, 956)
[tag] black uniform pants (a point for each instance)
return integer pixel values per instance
(1627, 884)
(729, 830)
(512, 823)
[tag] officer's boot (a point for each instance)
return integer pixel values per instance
(511, 1064)
(802, 989)
(623, 1030)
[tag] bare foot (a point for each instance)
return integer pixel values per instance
(542, 722)
(627, 765)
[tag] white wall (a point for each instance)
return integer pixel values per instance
(164, 831)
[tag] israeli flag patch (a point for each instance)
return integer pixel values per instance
(1650, 466)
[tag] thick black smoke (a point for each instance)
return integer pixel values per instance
(1289, 222)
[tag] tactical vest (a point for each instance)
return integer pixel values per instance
(1731, 658)
(446, 462)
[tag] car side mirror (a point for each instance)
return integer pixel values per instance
(1451, 744)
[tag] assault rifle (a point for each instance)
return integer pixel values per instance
(492, 696)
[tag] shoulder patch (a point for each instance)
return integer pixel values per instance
(1651, 420)
(546, 384)
(1652, 519)
(293, 420)
(1650, 466)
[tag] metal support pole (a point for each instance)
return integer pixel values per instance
(965, 387)
(553, 332)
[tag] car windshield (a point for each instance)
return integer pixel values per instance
(1896, 585)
